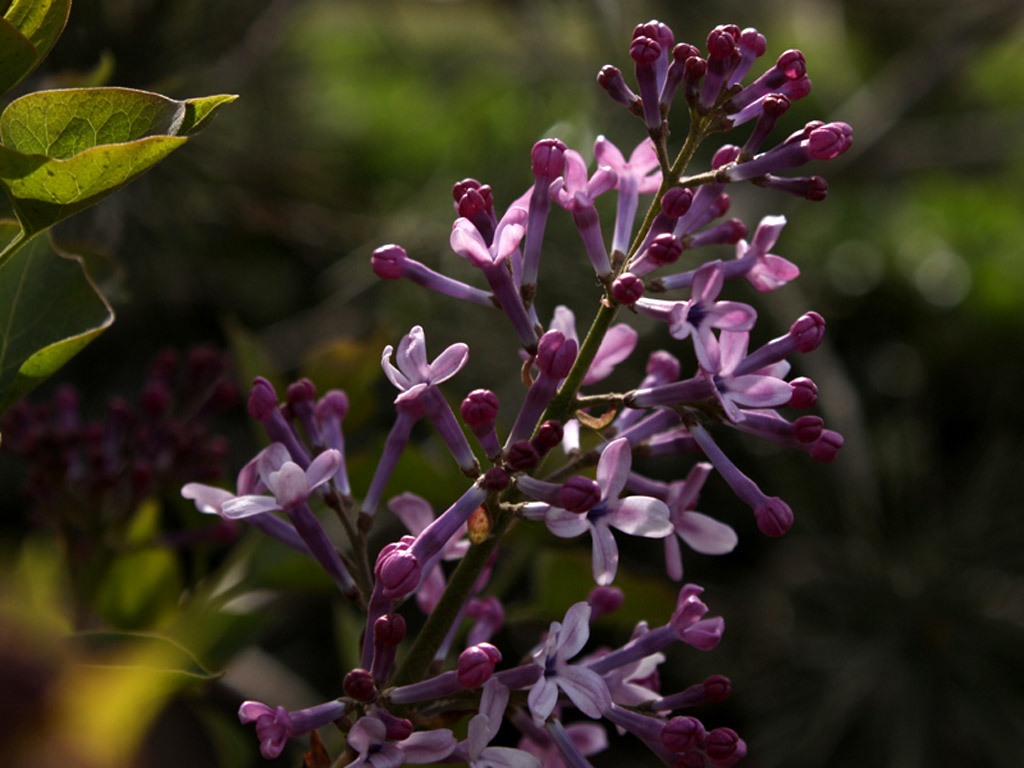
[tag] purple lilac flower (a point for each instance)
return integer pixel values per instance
(483, 727)
(617, 344)
(490, 258)
(369, 738)
(585, 689)
(636, 515)
(391, 262)
(817, 141)
(576, 193)
(696, 318)
(639, 176)
(588, 738)
(275, 726)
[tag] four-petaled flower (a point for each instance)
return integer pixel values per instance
(411, 372)
(585, 688)
(484, 726)
(287, 481)
(636, 515)
(368, 737)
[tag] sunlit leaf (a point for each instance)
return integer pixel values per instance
(49, 310)
(27, 33)
(62, 151)
(144, 650)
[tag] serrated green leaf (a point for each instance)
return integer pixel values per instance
(49, 310)
(40, 21)
(62, 151)
(17, 56)
(146, 651)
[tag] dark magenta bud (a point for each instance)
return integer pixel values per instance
(604, 600)
(397, 569)
(829, 141)
(556, 354)
(156, 399)
(396, 728)
(627, 288)
(644, 51)
(717, 688)
(791, 64)
(826, 446)
(808, 331)
(521, 456)
(389, 629)
(479, 409)
(496, 479)
(301, 391)
(676, 202)
(682, 734)
(610, 78)
(579, 494)
(476, 665)
(548, 158)
(549, 434)
(807, 429)
(724, 747)
(262, 399)
(724, 155)
(359, 685)
(387, 261)
(665, 249)
(805, 393)
(334, 404)
(774, 517)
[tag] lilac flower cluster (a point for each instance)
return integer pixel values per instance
(673, 410)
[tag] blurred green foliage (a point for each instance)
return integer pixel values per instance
(888, 626)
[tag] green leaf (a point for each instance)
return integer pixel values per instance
(49, 310)
(40, 21)
(62, 151)
(27, 33)
(146, 651)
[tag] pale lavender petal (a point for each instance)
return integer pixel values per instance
(616, 346)
(289, 485)
(771, 272)
(606, 153)
(428, 746)
(395, 376)
(759, 391)
(493, 702)
(705, 347)
(509, 233)
(733, 348)
(575, 172)
(506, 757)
(589, 738)
(586, 689)
(575, 630)
(448, 363)
(411, 356)
(477, 736)
(731, 316)
(705, 534)
(644, 158)
(564, 524)
(673, 558)
(366, 733)
(467, 242)
(430, 589)
(414, 512)
(323, 468)
(207, 498)
(605, 559)
(641, 516)
(247, 506)
(613, 468)
(542, 699)
(705, 634)
(707, 281)
(271, 459)
(564, 321)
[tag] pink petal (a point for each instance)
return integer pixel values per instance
(414, 512)
(613, 468)
(756, 391)
(395, 376)
(643, 159)
(506, 757)
(564, 321)
(367, 732)
(448, 363)
(733, 348)
(641, 516)
(767, 233)
(705, 534)
(575, 172)
(411, 356)
(323, 468)
(616, 346)
(731, 316)
(606, 153)
(247, 506)
(467, 242)
(207, 498)
(590, 738)
(707, 281)
(673, 558)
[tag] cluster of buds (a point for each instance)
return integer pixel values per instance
(669, 412)
(91, 475)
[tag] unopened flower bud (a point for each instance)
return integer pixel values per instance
(826, 446)
(717, 688)
(387, 261)
(479, 409)
(521, 456)
(496, 479)
(774, 517)
(262, 399)
(724, 747)
(476, 665)
(807, 429)
(627, 288)
(579, 494)
(359, 685)
(805, 393)
(682, 734)
(808, 331)
(389, 629)
(397, 570)
(548, 158)
(603, 601)
(396, 728)
(549, 434)
(556, 354)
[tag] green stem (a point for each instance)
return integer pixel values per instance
(20, 241)
(458, 591)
